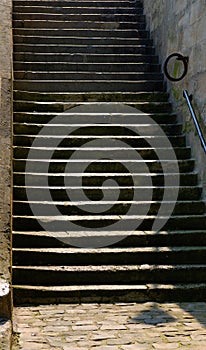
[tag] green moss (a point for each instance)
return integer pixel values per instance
(200, 120)
(188, 127)
(176, 69)
(177, 94)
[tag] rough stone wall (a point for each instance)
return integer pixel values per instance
(5, 153)
(180, 26)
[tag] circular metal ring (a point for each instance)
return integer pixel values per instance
(179, 57)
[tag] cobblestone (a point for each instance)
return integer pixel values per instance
(147, 326)
(5, 334)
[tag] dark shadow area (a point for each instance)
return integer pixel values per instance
(197, 310)
(153, 316)
(3, 321)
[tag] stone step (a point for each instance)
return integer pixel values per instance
(96, 49)
(109, 293)
(85, 58)
(78, 32)
(124, 97)
(43, 239)
(65, 152)
(83, 40)
(83, 49)
(88, 85)
(59, 193)
(88, 76)
(87, 130)
(81, 9)
(80, 17)
(121, 207)
(137, 141)
(110, 25)
(102, 166)
(77, 3)
(61, 223)
(114, 129)
(110, 274)
(45, 117)
(112, 256)
(55, 179)
(79, 67)
(97, 112)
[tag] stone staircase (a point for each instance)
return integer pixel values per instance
(89, 98)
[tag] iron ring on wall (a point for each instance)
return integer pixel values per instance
(179, 57)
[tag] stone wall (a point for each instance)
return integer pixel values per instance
(180, 26)
(5, 153)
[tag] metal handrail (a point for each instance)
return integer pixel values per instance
(194, 117)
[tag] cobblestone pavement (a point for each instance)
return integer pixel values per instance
(5, 334)
(111, 327)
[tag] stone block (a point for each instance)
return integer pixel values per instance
(180, 26)
(5, 299)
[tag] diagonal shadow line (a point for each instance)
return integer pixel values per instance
(154, 315)
(196, 309)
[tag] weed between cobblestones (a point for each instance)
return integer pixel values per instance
(15, 339)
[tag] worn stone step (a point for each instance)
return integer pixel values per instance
(59, 223)
(40, 111)
(86, 24)
(65, 152)
(113, 130)
(85, 58)
(135, 141)
(117, 256)
(93, 129)
(121, 207)
(43, 239)
(86, 112)
(60, 193)
(186, 179)
(103, 166)
(76, 3)
(46, 117)
(108, 293)
(91, 77)
(67, 75)
(80, 17)
(78, 32)
(83, 49)
(91, 97)
(81, 9)
(83, 40)
(85, 67)
(110, 274)
(88, 85)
